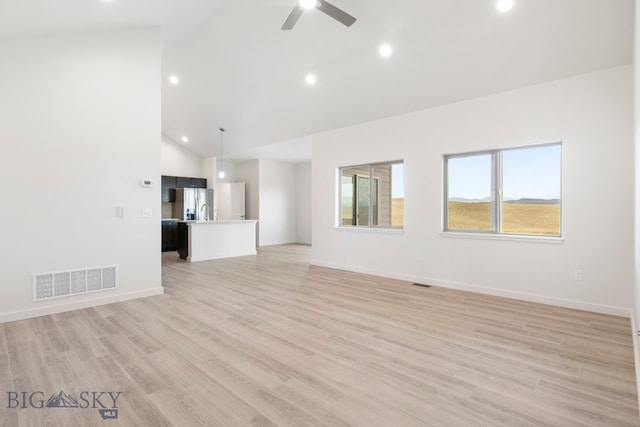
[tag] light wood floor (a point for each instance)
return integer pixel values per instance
(268, 340)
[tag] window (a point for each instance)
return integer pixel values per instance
(512, 191)
(372, 195)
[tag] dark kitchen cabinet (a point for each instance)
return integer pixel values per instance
(183, 182)
(169, 236)
(169, 183)
(183, 240)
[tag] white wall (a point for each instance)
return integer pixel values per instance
(247, 172)
(209, 167)
(637, 178)
(179, 161)
(592, 116)
(80, 130)
(303, 206)
(283, 200)
(277, 204)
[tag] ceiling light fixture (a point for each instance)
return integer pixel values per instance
(174, 80)
(311, 79)
(385, 50)
(221, 174)
(184, 139)
(504, 5)
(323, 6)
(308, 4)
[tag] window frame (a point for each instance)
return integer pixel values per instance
(497, 186)
(371, 215)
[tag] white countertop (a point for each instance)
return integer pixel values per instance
(220, 239)
(188, 221)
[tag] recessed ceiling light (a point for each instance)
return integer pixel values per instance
(504, 5)
(311, 79)
(385, 50)
(184, 139)
(308, 4)
(174, 80)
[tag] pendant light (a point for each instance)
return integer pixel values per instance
(221, 174)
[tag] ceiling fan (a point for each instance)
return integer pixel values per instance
(323, 6)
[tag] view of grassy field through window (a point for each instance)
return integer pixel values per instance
(524, 184)
(397, 212)
(517, 218)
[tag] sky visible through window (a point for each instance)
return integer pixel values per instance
(528, 173)
(397, 181)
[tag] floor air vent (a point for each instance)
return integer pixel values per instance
(68, 283)
(421, 285)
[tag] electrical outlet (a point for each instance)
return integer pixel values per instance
(577, 274)
(146, 213)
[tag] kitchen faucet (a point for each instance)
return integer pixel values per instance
(206, 213)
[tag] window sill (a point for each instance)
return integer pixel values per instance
(380, 230)
(504, 237)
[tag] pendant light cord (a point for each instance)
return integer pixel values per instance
(221, 174)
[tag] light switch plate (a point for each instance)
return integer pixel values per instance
(147, 213)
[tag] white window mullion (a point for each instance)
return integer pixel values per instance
(498, 191)
(445, 194)
(370, 196)
(495, 215)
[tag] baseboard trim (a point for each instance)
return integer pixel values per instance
(636, 355)
(541, 299)
(221, 256)
(77, 305)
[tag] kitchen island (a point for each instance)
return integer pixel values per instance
(205, 240)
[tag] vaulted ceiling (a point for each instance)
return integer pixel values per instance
(239, 71)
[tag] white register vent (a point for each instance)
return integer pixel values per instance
(68, 283)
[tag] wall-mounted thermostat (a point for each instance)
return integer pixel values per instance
(146, 183)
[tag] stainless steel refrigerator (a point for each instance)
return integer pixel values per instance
(194, 204)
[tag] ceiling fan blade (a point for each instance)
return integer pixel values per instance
(293, 17)
(337, 14)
